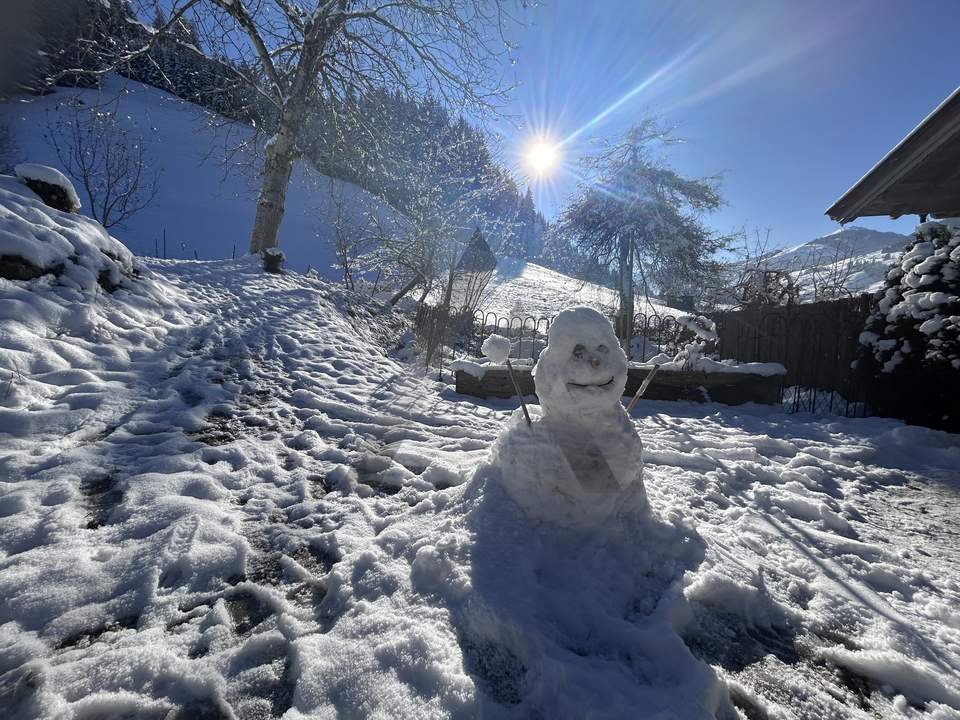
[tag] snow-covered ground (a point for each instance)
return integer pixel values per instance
(221, 497)
(203, 205)
(525, 289)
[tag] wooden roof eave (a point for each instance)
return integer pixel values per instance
(937, 128)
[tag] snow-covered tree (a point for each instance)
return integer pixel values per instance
(301, 51)
(637, 214)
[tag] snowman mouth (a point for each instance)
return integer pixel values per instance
(591, 385)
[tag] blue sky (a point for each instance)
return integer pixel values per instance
(791, 101)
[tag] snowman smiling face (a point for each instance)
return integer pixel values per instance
(590, 366)
(582, 369)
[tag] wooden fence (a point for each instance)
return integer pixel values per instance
(816, 342)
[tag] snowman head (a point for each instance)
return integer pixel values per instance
(582, 369)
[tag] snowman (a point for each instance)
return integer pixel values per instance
(579, 462)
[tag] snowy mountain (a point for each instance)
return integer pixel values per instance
(860, 256)
(222, 497)
(204, 206)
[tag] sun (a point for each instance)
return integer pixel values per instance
(541, 157)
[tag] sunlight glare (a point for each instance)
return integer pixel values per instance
(541, 157)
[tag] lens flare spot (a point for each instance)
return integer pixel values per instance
(541, 157)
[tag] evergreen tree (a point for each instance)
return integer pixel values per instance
(639, 215)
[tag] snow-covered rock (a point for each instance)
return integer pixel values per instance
(36, 239)
(51, 184)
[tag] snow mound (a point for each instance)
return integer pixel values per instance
(31, 172)
(496, 348)
(526, 290)
(36, 239)
(499, 612)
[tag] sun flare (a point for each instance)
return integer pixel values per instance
(541, 158)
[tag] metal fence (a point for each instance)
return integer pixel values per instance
(442, 333)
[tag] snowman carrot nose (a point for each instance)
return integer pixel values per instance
(595, 362)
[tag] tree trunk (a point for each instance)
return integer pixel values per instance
(277, 166)
(281, 150)
(406, 288)
(625, 329)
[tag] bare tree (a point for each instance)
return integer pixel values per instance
(356, 228)
(827, 274)
(295, 52)
(107, 160)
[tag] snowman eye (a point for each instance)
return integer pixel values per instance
(603, 348)
(578, 351)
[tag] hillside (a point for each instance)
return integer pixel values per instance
(868, 253)
(204, 206)
(222, 497)
(522, 289)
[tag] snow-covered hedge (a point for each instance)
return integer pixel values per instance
(917, 321)
(36, 239)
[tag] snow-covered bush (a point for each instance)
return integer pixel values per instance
(697, 340)
(37, 240)
(911, 342)
(917, 320)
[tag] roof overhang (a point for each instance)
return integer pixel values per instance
(921, 175)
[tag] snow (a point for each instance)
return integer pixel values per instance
(496, 348)
(525, 289)
(868, 253)
(701, 326)
(477, 370)
(707, 365)
(77, 249)
(221, 497)
(50, 176)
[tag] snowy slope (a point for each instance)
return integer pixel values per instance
(208, 208)
(204, 205)
(869, 252)
(220, 498)
(522, 289)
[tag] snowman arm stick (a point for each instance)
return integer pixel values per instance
(516, 388)
(643, 388)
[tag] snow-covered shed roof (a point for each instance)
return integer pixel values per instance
(921, 175)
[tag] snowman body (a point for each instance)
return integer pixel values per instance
(580, 462)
